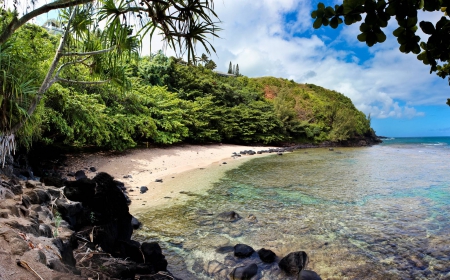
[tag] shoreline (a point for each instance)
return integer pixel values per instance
(177, 166)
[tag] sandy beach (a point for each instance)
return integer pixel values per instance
(182, 168)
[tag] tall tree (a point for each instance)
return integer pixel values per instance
(230, 69)
(237, 70)
(435, 51)
(211, 65)
(181, 23)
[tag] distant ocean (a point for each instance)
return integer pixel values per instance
(380, 212)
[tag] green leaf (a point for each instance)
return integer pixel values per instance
(317, 23)
(334, 22)
(397, 32)
(381, 37)
(427, 27)
(364, 27)
(362, 37)
(348, 20)
(321, 6)
(314, 14)
(412, 21)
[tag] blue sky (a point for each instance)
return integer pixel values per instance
(276, 38)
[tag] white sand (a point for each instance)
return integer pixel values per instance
(185, 168)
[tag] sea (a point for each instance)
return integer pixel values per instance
(380, 212)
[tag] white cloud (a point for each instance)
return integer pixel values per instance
(255, 37)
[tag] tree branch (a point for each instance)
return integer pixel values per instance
(18, 22)
(88, 53)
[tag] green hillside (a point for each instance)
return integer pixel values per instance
(163, 100)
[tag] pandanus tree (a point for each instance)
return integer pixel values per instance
(98, 35)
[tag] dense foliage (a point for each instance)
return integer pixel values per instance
(168, 101)
(435, 51)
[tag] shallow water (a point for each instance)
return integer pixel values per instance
(360, 213)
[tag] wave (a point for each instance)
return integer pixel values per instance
(435, 144)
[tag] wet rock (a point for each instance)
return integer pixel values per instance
(267, 256)
(309, 275)
(153, 255)
(215, 268)
(243, 251)
(135, 223)
(80, 175)
(294, 262)
(230, 216)
(244, 272)
(252, 218)
(143, 189)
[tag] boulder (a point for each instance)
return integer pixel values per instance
(244, 272)
(243, 251)
(92, 169)
(45, 230)
(70, 211)
(153, 254)
(294, 262)
(38, 196)
(266, 256)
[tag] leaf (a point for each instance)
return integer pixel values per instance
(364, 27)
(362, 37)
(381, 37)
(314, 14)
(427, 27)
(411, 22)
(317, 23)
(334, 22)
(397, 32)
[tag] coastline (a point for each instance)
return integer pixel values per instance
(177, 166)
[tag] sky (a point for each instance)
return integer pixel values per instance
(276, 38)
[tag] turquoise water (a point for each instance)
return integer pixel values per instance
(360, 213)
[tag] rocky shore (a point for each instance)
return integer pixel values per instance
(64, 225)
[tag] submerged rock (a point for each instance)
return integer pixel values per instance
(243, 251)
(230, 216)
(266, 256)
(294, 262)
(244, 272)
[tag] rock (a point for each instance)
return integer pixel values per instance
(66, 250)
(224, 249)
(244, 272)
(153, 255)
(294, 262)
(53, 181)
(45, 230)
(80, 175)
(69, 210)
(230, 216)
(92, 169)
(252, 218)
(6, 193)
(309, 275)
(143, 189)
(135, 223)
(266, 256)
(30, 184)
(224, 162)
(127, 176)
(159, 180)
(71, 174)
(38, 196)
(18, 246)
(243, 251)
(215, 268)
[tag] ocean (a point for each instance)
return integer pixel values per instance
(378, 212)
